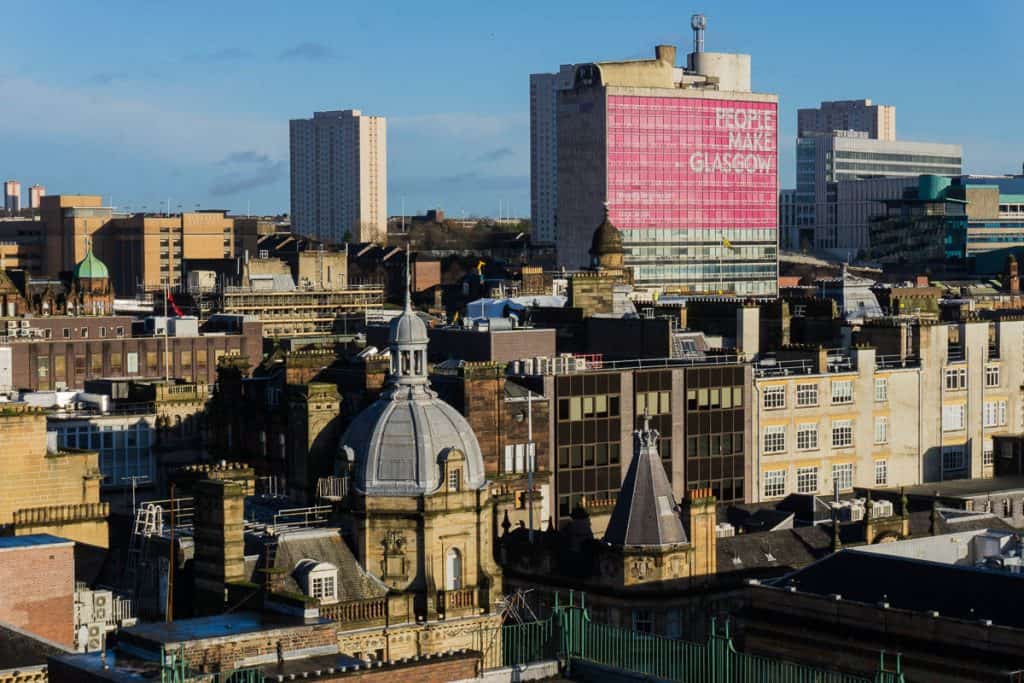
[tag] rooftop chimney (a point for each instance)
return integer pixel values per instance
(666, 54)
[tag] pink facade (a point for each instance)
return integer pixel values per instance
(691, 163)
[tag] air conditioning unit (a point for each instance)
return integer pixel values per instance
(94, 642)
(101, 605)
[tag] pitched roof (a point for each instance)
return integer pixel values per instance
(326, 545)
(645, 513)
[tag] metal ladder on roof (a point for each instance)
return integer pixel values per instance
(148, 520)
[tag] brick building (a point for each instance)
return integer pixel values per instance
(37, 586)
(68, 351)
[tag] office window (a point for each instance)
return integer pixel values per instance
(806, 395)
(806, 479)
(956, 379)
(774, 397)
(843, 475)
(881, 389)
(995, 413)
(775, 439)
(842, 391)
(774, 483)
(842, 433)
(953, 459)
(807, 436)
(952, 418)
(881, 473)
(881, 429)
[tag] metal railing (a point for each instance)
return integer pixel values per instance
(570, 635)
(572, 364)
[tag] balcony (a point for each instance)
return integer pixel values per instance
(456, 600)
(356, 612)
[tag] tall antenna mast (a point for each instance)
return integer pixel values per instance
(698, 22)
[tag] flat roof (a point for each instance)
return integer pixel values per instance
(31, 541)
(216, 626)
(967, 487)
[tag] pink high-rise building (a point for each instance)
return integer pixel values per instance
(35, 195)
(686, 159)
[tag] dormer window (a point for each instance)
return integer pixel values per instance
(318, 580)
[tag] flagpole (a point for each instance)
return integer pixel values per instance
(167, 360)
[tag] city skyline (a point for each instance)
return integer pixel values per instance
(149, 118)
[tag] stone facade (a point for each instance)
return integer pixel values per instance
(40, 491)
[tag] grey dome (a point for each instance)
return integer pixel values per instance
(408, 328)
(398, 445)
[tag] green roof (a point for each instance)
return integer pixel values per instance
(91, 267)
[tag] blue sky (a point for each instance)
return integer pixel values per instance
(146, 101)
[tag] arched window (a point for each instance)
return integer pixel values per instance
(453, 570)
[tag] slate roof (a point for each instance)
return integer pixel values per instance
(326, 545)
(645, 513)
(772, 553)
(917, 585)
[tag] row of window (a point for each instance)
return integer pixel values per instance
(773, 439)
(808, 480)
(993, 414)
(956, 378)
(774, 397)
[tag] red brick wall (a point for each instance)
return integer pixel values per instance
(37, 590)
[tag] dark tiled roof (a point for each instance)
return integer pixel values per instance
(772, 553)
(645, 513)
(952, 590)
(326, 545)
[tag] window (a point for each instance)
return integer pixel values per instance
(775, 439)
(516, 457)
(881, 429)
(322, 587)
(881, 473)
(956, 379)
(643, 621)
(84, 332)
(842, 391)
(119, 331)
(952, 418)
(774, 483)
(842, 475)
(774, 397)
(806, 395)
(806, 479)
(807, 436)
(953, 459)
(881, 389)
(67, 333)
(987, 453)
(842, 433)
(991, 375)
(454, 479)
(453, 570)
(995, 413)
(103, 332)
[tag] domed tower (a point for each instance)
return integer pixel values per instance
(420, 514)
(90, 291)
(606, 250)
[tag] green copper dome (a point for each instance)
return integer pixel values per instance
(91, 267)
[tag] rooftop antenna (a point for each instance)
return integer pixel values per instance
(698, 22)
(408, 279)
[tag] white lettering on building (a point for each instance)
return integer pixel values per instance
(750, 131)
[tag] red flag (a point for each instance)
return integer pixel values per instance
(170, 300)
